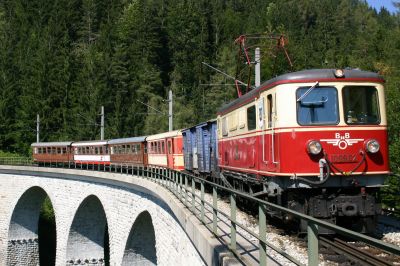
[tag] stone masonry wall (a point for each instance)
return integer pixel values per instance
(23, 252)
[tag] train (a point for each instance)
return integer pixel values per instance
(314, 141)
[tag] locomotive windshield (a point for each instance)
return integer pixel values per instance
(318, 106)
(361, 105)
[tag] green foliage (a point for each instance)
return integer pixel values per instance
(66, 60)
(47, 211)
(6, 154)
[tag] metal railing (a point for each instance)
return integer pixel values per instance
(185, 188)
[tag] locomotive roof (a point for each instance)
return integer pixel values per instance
(169, 134)
(90, 143)
(127, 140)
(311, 75)
(51, 144)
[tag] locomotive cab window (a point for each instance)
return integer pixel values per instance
(251, 118)
(360, 105)
(317, 106)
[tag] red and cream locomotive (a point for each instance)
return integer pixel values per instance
(316, 140)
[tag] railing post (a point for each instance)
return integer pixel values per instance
(233, 221)
(215, 210)
(193, 195)
(177, 185)
(181, 187)
(186, 190)
(262, 225)
(202, 201)
(312, 241)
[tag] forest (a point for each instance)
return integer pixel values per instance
(65, 59)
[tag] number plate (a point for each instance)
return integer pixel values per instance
(343, 158)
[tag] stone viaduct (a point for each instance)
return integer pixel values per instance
(100, 219)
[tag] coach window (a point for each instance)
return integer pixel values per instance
(251, 118)
(64, 150)
(360, 104)
(317, 106)
(169, 143)
(162, 147)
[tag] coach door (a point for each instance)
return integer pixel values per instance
(170, 153)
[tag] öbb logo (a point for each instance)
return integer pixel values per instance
(342, 141)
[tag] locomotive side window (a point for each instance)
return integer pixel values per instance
(224, 127)
(317, 106)
(269, 110)
(251, 118)
(360, 105)
(242, 118)
(233, 121)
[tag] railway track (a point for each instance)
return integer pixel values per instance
(359, 253)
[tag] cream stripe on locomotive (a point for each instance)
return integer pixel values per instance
(301, 129)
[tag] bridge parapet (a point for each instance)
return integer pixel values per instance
(216, 234)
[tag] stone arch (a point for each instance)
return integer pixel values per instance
(23, 234)
(140, 247)
(88, 235)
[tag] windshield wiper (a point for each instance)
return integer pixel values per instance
(308, 91)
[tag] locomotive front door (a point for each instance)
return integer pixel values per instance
(170, 153)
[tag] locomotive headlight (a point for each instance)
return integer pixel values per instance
(314, 147)
(372, 146)
(339, 73)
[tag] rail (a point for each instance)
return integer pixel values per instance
(183, 186)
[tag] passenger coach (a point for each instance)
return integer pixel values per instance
(128, 150)
(59, 152)
(165, 149)
(91, 152)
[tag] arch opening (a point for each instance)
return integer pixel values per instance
(88, 235)
(32, 230)
(140, 248)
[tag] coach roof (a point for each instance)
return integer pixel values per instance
(127, 140)
(312, 75)
(90, 143)
(169, 134)
(51, 144)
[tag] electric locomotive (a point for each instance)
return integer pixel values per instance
(314, 141)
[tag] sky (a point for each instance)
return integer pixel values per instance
(379, 3)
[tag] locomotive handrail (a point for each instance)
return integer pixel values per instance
(178, 183)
